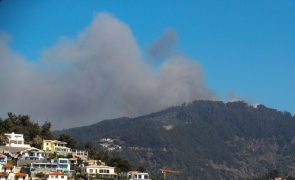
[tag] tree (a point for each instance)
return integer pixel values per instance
(52, 155)
(69, 140)
(92, 152)
(37, 142)
(270, 175)
(40, 175)
(45, 130)
(103, 155)
(140, 169)
(3, 139)
(122, 165)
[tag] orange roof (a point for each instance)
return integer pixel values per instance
(4, 174)
(56, 173)
(20, 174)
(8, 166)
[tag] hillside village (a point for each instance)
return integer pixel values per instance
(205, 148)
(54, 161)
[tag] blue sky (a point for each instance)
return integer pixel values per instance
(245, 47)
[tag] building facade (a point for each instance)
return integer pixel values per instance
(55, 146)
(61, 165)
(56, 176)
(80, 154)
(33, 154)
(100, 171)
(16, 140)
(136, 175)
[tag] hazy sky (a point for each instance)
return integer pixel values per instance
(93, 59)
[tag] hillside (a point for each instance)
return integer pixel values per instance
(203, 139)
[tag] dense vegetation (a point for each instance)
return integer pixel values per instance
(33, 132)
(203, 140)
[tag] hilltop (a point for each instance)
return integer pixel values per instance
(203, 139)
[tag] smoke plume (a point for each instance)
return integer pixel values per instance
(163, 47)
(99, 74)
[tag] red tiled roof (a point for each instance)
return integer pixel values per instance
(20, 174)
(4, 174)
(8, 166)
(56, 173)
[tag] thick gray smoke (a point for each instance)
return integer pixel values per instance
(99, 74)
(163, 47)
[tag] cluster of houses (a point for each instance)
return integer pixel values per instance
(108, 144)
(22, 161)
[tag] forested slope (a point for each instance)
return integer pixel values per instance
(203, 139)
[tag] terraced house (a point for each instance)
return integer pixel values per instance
(55, 146)
(100, 171)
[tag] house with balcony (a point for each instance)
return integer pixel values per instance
(33, 154)
(60, 165)
(100, 171)
(55, 146)
(16, 140)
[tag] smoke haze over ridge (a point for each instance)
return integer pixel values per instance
(99, 74)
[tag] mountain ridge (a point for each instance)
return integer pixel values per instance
(204, 139)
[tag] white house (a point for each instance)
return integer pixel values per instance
(81, 154)
(100, 170)
(136, 175)
(56, 176)
(4, 175)
(16, 140)
(13, 176)
(20, 176)
(8, 168)
(33, 154)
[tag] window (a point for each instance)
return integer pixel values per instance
(62, 177)
(52, 176)
(91, 170)
(139, 176)
(106, 171)
(56, 177)
(63, 161)
(145, 177)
